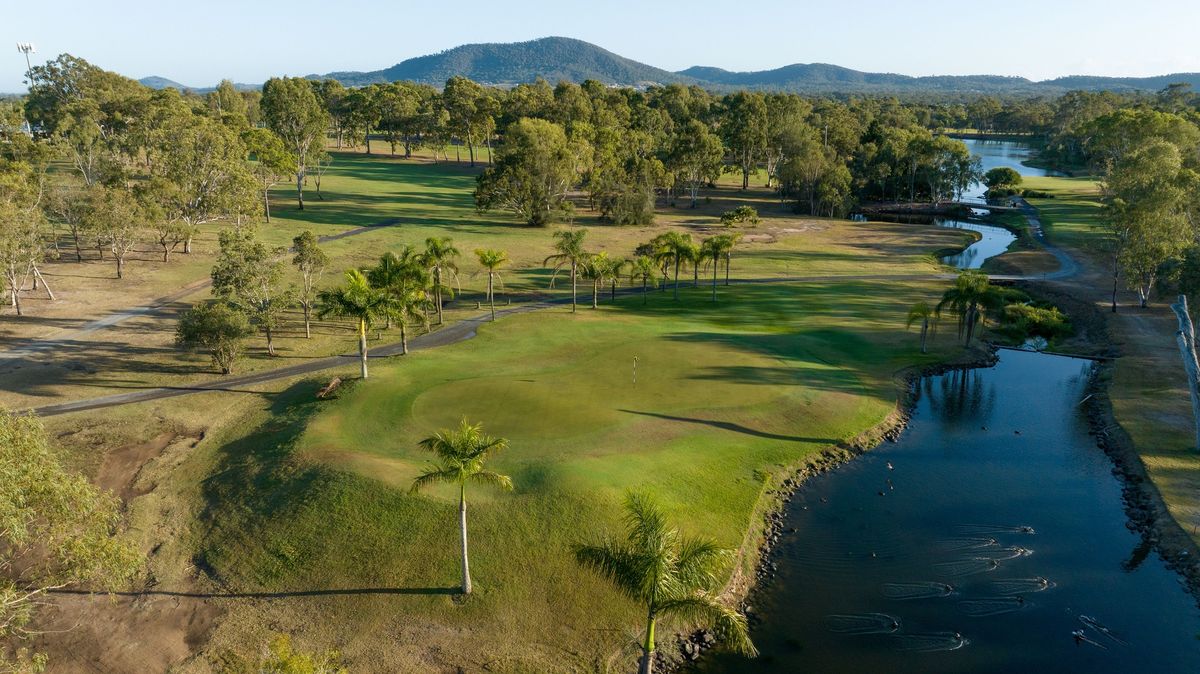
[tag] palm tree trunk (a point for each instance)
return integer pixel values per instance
(462, 526)
(574, 277)
(403, 338)
(491, 296)
(613, 293)
(677, 278)
(924, 333)
(437, 291)
(595, 293)
(645, 291)
(727, 269)
(362, 345)
(716, 263)
(647, 665)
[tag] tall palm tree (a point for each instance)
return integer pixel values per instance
(568, 245)
(674, 576)
(404, 278)
(492, 260)
(643, 267)
(714, 248)
(735, 238)
(357, 300)
(601, 269)
(673, 248)
(440, 254)
(460, 457)
(695, 257)
(922, 311)
(969, 299)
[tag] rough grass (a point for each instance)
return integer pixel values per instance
(313, 495)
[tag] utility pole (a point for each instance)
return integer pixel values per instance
(26, 48)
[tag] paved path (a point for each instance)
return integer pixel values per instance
(65, 338)
(450, 334)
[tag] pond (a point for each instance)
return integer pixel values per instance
(981, 541)
(998, 153)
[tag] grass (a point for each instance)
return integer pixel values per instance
(313, 495)
(1148, 389)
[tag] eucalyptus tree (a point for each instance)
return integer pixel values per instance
(249, 273)
(270, 162)
(364, 113)
(295, 114)
(440, 256)
(406, 281)
(216, 328)
(569, 254)
(22, 241)
(120, 220)
(535, 168)
(357, 300)
(643, 267)
(68, 203)
(695, 157)
(460, 457)
(673, 576)
(926, 315)
(491, 260)
(311, 261)
(744, 127)
(713, 249)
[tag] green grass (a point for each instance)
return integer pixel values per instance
(313, 495)
(1072, 217)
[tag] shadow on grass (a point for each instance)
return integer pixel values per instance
(736, 428)
(277, 595)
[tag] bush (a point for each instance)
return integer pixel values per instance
(1030, 320)
(217, 328)
(739, 215)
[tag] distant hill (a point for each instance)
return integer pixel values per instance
(551, 58)
(156, 82)
(562, 58)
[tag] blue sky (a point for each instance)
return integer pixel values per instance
(198, 43)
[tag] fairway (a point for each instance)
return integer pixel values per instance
(729, 396)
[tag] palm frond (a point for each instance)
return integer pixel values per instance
(434, 475)
(700, 563)
(615, 562)
(730, 626)
(494, 479)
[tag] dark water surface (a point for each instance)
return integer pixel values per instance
(995, 241)
(994, 486)
(995, 154)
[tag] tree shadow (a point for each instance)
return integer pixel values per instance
(736, 428)
(344, 592)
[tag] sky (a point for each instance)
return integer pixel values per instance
(200, 43)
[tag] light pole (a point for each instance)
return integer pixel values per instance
(26, 48)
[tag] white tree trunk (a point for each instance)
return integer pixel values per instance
(1186, 338)
(462, 525)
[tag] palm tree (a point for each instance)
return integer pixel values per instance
(460, 456)
(734, 238)
(601, 269)
(357, 300)
(673, 248)
(921, 311)
(570, 254)
(969, 299)
(439, 259)
(713, 248)
(403, 277)
(695, 257)
(643, 267)
(674, 576)
(492, 260)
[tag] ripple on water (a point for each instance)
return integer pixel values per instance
(917, 590)
(973, 543)
(929, 643)
(967, 567)
(984, 529)
(862, 623)
(1022, 585)
(979, 608)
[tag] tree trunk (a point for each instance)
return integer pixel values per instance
(613, 290)
(367, 140)
(645, 291)
(574, 286)
(300, 190)
(924, 333)
(1186, 338)
(647, 664)
(437, 291)
(727, 268)
(120, 266)
(270, 342)
(677, 261)
(307, 320)
(595, 293)
(403, 337)
(715, 265)
(37, 274)
(462, 526)
(362, 346)
(267, 204)
(491, 296)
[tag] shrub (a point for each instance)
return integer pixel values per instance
(1029, 320)
(739, 215)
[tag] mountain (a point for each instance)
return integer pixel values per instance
(551, 58)
(156, 82)
(562, 58)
